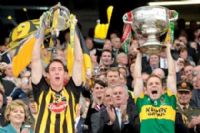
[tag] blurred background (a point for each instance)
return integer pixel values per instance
(12, 12)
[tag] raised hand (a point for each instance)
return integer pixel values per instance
(111, 114)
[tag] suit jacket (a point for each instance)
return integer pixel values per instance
(131, 127)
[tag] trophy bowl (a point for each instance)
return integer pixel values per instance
(149, 23)
(59, 17)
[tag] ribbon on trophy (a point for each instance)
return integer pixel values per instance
(70, 47)
(87, 65)
(170, 33)
(126, 37)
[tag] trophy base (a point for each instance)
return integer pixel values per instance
(151, 49)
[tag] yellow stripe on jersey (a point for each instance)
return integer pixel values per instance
(53, 122)
(163, 112)
(69, 121)
(62, 117)
(169, 92)
(46, 113)
(141, 97)
(39, 107)
(74, 105)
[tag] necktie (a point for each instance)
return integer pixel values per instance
(119, 116)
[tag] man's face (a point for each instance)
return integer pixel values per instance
(184, 54)
(122, 59)
(106, 58)
(108, 97)
(154, 60)
(116, 42)
(159, 72)
(154, 88)
(113, 77)
(178, 44)
(120, 96)
(188, 72)
(89, 43)
(9, 71)
(198, 81)
(184, 97)
(56, 74)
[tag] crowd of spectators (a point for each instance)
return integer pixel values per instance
(110, 87)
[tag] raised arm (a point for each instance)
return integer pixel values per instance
(36, 68)
(78, 62)
(171, 78)
(36, 65)
(138, 82)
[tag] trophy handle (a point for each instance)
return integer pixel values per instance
(128, 18)
(173, 15)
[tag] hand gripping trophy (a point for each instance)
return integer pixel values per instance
(149, 23)
(57, 19)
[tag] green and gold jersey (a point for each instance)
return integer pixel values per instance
(157, 116)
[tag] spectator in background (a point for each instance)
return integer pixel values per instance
(123, 117)
(16, 114)
(8, 72)
(154, 62)
(5, 57)
(184, 95)
(159, 72)
(186, 107)
(96, 104)
(196, 92)
(89, 43)
(107, 45)
(122, 59)
(106, 59)
(113, 76)
(188, 72)
(183, 53)
(197, 36)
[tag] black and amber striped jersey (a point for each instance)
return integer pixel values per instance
(56, 110)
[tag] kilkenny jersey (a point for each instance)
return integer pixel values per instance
(56, 110)
(157, 116)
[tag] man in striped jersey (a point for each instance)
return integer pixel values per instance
(56, 101)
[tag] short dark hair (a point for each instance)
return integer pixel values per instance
(107, 50)
(100, 82)
(113, 69)
(55, 60)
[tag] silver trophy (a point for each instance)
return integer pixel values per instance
(57, 19)
(149, 23)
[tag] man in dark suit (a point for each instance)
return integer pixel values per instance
(122, 117)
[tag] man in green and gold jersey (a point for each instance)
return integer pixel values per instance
(156, 104)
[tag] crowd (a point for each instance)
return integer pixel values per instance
(126, 92)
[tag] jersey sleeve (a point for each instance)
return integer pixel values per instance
(38, 88)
